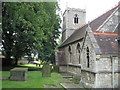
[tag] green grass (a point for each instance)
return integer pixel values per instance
(35, 80)
(31, 66)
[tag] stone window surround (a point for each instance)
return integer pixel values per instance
(88, 57)
(75, 19)
(78, 51)
(70, 52)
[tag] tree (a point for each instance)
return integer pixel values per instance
(29, 27)
(50, 44)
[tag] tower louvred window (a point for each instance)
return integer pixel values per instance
(76, 19)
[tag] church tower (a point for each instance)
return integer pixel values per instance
(72, 19)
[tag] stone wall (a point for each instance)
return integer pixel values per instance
(68, 21)
(60, 57)
(104, 74)
(104, 64)
(88, 73)
(92, 56)
(73, 57)
(88, 78)
(74, 69)
(62, 68)
(70, 17)
(104, 80)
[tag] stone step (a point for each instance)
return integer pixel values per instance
(50, 86)
(71, 79)
(70, 86)
(64, 80)
(67, 76)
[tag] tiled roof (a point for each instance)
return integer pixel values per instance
(99, 21)
(77, 35)
(107, 42)
(95, 24)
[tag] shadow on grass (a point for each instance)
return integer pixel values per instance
(29, 66)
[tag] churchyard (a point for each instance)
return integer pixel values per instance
(84, 57)
(32, 76)
(34, 80)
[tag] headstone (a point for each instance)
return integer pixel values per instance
(18, 74)
(55, 68)
(46, 70)
(76, 79)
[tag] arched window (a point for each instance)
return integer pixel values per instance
(70, 52)
(69, 49)
(78, 48)
(76, 19)
(78, 52)
(88, 57)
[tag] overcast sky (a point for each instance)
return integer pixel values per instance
(94, 8)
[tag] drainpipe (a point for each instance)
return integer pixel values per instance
(113, 74)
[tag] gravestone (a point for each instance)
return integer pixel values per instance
(55, 68)
(46, 70)
(18, 74)
(76, 79)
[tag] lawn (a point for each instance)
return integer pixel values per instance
(35, 80)
(31, 66)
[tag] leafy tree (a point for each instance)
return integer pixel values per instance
(29, 27)
(51, 32)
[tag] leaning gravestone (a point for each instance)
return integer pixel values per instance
(18, 74)
(46, 70)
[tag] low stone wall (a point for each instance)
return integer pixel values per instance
(88, 78)
(63, 68)
(71, 69)
(74, 69)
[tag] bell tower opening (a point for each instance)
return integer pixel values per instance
(76, 19)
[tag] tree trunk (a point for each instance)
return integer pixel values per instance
(8, 57)
(16, 61)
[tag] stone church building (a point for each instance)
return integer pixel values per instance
(90, 51)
